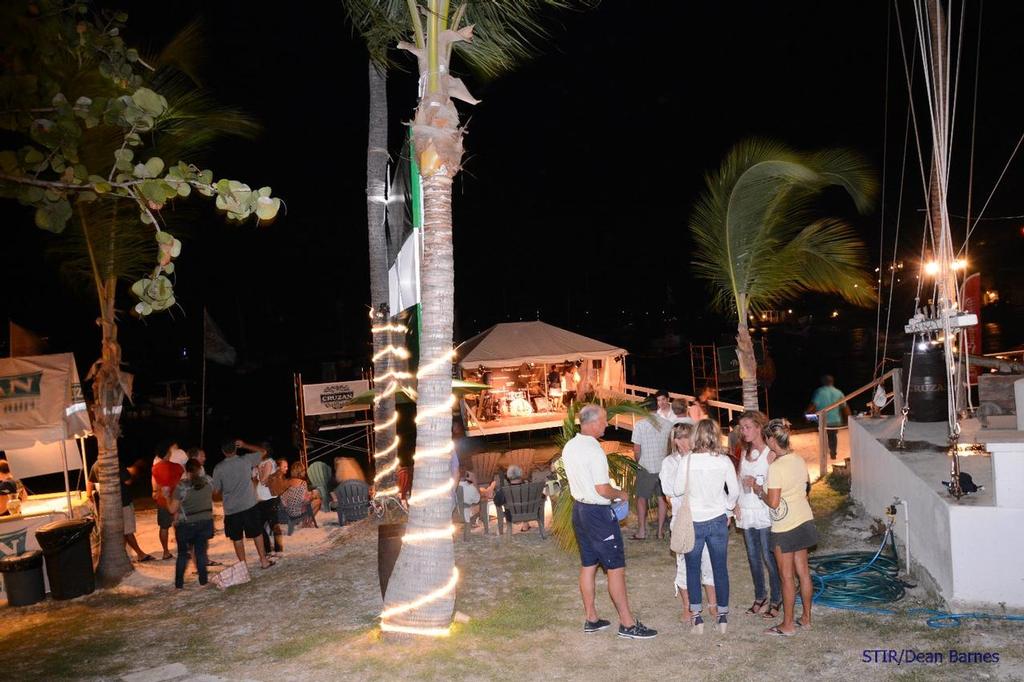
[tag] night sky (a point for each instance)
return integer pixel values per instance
(580, 172)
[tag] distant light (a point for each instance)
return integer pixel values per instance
(923, 346)
(931, 268)
(790, 311)
(960, 264)
(835, 314)
(764, 316)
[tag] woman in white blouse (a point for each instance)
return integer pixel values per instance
(682, 444)
(752, 514)
(712, 488)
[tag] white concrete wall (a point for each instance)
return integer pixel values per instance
(988, 558)
(974, 553)
(1008, 474)
(878, 477)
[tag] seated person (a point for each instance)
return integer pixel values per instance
(297, 499)
(10, 488)
(515, 478)
(471, 498)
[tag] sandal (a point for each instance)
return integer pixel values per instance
(638, 537)
(776, 631)
(773, 611)
(757, 606)
(269, 564)
(146, 557)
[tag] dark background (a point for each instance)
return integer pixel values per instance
(579, 177)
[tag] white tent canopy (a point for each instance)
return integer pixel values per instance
(41, 403)
(513, 343)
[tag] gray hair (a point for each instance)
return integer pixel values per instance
(590, 413)
(514, 471)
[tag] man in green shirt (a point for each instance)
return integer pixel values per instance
(825, 395)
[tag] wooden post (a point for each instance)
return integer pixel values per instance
(822, 444)
(300, 411)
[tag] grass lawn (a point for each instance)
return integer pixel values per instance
(314, 617)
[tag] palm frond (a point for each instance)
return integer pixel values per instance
(759, 202)
(382, 24)
(506, 34)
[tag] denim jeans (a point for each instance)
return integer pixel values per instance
(192, 535)
(833, 441)
(715, 534)
(758, 554)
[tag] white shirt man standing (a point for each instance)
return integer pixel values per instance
(663, 406)
(597, 529)
(650, 446)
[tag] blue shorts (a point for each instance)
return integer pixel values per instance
(598, 535)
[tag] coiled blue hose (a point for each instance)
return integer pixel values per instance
(858, 581)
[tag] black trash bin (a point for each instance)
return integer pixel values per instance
(23, 578)
(68, 551)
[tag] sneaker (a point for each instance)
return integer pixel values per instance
(638, 631)
(697, 625)
(595, 625)
(723, 623)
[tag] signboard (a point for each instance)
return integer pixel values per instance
(972, 335)
(333, 397)
(43, 458)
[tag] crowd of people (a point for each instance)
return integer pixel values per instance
(256, 491)
(752, 480)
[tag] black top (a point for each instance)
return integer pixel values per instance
(126, 477)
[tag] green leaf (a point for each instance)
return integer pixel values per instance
(8, 161)
(267, 208)
(184, 189)
(33, 155)
(53, 216)
(131, 54)
(264, 192)
(149, 101)
(155, 166)
(85, 197)
(123, 159)
(169, 268)
(146, 217)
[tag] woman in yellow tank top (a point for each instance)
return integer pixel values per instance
(793, 530)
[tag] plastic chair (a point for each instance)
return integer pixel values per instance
(283, 517)
(485, 465)
(525, 502)
(353, 501)
(522, 458)
(319, 475)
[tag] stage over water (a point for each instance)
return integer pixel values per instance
(969, 549)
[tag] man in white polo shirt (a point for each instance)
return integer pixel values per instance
(597, 529)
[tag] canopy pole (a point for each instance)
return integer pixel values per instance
(67, 482)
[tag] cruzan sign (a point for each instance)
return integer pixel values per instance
(332, 397)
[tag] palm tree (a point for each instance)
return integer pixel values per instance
(376, 182)
(760, 242)
(105, 248)
(504, 32)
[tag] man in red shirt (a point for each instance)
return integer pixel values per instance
(166, 475)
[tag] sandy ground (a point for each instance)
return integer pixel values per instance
(313, 616)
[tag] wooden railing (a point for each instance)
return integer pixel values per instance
(896, 396)
(639, 394)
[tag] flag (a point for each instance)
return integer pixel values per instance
(25, 342)
(405, 238)
(215, 347)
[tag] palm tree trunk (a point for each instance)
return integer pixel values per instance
(109, 396)
(426, 566)
(746, 357)
(376, 175)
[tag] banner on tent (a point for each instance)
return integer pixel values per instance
(333, 397)
(40, 401)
